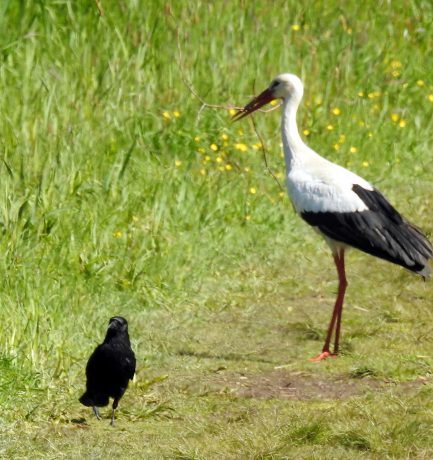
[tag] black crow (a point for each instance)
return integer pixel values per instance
(110, 367)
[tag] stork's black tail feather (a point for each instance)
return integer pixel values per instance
(380, 231)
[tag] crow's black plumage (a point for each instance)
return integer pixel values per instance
(110, 367)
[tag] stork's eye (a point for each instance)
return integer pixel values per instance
(274, 84)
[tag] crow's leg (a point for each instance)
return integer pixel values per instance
(96, 412)
(114, 407)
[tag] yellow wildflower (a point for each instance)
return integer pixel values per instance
(118, 234)
(282, 194)
(373, 94)
(306, 132)
(430, 97)
(197, 138)
(395, 117)
(247, 169)
(366, 164)
(253, 190)
(166, 115)
(233, 112)
(336, 146)
(256, 146)
(402, 123)
(420, 83)
(224, 137)
(247, 217)
(274, 103)
(336, 111)
(207, 158)
(353, 149)
(218, 159)
(201, 150)
(240, 132)
(176, 113)
(241, 147)
(203, 172)
(395, 73)
(395, 64)
(228, 167)
(177, 163)
(361, 93)
(214, 147)
(342, 138)
(296, 27)
(330, 127)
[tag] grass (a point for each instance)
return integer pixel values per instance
(119, 196)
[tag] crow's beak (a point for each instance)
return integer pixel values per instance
(112, 323)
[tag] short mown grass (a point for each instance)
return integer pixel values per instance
(120, 196)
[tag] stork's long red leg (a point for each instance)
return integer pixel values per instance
(337, 312)
(339, 262)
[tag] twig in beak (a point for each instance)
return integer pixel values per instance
(264, 151)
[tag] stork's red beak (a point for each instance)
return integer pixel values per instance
(259, 101)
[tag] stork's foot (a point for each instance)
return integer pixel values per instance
(322, 356)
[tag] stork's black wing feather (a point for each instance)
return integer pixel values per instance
(380, 231)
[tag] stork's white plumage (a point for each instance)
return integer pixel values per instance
(345, 208)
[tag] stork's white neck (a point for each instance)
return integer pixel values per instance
(293, 145)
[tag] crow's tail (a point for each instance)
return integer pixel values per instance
(91, 400)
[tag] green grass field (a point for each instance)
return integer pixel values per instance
(120, 194)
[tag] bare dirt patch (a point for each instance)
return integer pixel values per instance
(283, 384)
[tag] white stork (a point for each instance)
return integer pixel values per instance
(343, 207)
